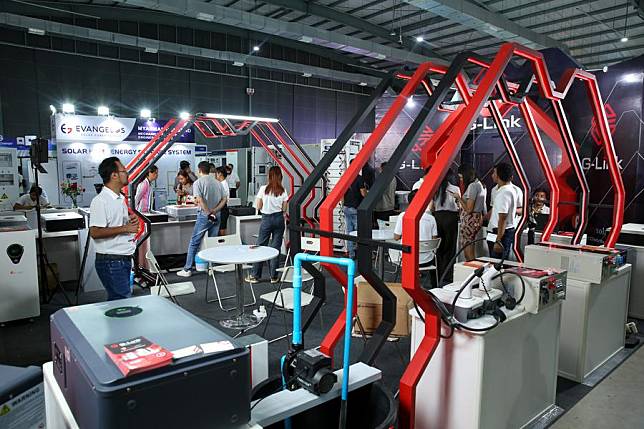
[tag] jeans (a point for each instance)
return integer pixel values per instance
(508, 243)
(202, 225)
(115, 276)
(351, 223)
(271, 232)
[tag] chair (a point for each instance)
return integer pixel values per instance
(161, 283)
(223, 240)
(424, 246)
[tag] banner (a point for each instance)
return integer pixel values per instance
(80, 128)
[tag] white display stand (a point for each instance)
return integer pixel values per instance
(635, 257)
(504, 378)
(592, 325)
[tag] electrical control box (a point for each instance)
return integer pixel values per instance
(586, 263)
(543, 287)
(9, 184)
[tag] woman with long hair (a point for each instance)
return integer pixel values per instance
(445, 208)
(473, 208)
(271, 201)
(184, 188)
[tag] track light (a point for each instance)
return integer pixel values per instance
(256, 48)
(419, 39)
(146, 113)
(624, 39)
(103, 111)
(184, 115)
(68, 108)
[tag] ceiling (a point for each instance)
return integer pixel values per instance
(385, 34)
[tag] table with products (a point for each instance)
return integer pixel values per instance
(239, 255)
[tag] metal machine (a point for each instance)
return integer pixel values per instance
(595, 312)
(9, 184)
(19, 297)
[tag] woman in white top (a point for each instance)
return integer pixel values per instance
(220, 175)
(445, 208)
(473, 209)
(271, 201)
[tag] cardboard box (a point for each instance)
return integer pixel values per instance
(370, 309)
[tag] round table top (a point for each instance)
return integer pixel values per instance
(378, 234)
(238, 254)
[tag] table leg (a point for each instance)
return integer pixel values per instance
(240, 290)
(241, 320)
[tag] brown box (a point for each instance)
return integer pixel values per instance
(370, 308)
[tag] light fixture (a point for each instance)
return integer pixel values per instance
(205, 16)
(68, 108)
(184, 115)
(410, 101)
(256, 48)
(307, 74)
(363, 84)
(306, 39)
(151, 50)
(605, 69)
(381, 56)
(238, 64)
(624, 39)
(36, 31)
(103, 111)
(419, 39)
(239, 117)
(632, 77)
(393, 33)
(53, 109)
(146, 113)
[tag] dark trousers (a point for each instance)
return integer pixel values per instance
(447, 225)
(271, 233)
(507, 241)
(114, 273)
(233, 192)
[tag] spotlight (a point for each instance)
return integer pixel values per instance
(363, 84)
(53, 109)
(146, 113)
(307, 74)
(103, 110)
(419, 39)
(410, 101)
(605, 69)
(184, 115)
(624, 39)
(632, 78)
(256, 48)
(68, 108)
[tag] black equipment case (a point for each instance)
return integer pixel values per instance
(199, 391)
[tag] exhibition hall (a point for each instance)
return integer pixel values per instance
(353, 214)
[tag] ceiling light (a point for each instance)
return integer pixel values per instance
(103, 110)
(363, 84)
(151, 50)
(410, 101)
(632, 77)
(205, 16)
(419, 39)
(146, 113)
(36, 31)
(393, 33)
(624, 39)
(184, 115)
(256, 48)
(381, 56)
(306, 39)
(68, 108)
(307, 74)
(605, 69)
(238, 64)
(53, 109)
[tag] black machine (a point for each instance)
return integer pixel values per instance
(311, 370)
(198, 391)
(65, 221)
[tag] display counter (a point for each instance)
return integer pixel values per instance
(248, 227)
(631, 239)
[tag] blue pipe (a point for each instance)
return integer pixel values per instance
(297, 306)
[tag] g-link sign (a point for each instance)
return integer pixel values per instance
(488, 123)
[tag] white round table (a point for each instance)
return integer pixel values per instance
(380, 235)
(239, 255)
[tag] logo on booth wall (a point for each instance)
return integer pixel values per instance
(65, 129)
(612, 124)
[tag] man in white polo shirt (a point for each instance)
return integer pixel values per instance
(113, 231)
(502, 219)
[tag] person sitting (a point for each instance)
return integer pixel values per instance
(29, 201)
(539, 201)
(428, 231)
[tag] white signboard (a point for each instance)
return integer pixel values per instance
(92, 128)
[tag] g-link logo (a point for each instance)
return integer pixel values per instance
(488, 123)
(597, 164)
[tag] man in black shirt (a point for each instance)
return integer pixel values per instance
(352, 199)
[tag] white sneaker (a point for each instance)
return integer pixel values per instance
(184, 273)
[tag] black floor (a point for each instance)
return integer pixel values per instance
(26, 343)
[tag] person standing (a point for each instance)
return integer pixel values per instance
(271, 201)
(112, 230)
(233, 180)
(220, 175)
(143, 201)
(184, 189)
(352, 199)
(210, 200)
(502, 219)
(473, 209)
(519, 202)
(387, 202)
(445, 206)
